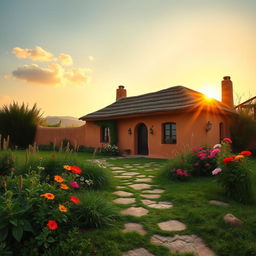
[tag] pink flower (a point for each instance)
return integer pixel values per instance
(74, 184)
(207, 165)
(216, 171)
(214, 152)
(228, 140)
(185, 173)
(217, 146)
(196, 164)
(179, 172)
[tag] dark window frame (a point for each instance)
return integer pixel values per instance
(104, 134)
(169, 132)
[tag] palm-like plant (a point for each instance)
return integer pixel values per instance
(19, 122)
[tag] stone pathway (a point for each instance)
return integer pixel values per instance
(136, 188)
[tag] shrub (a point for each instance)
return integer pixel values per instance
(235, 175)
(109, 150)
(7, 163)
(178, 168)
(94, 211)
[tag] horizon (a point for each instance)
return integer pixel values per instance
(70, 57)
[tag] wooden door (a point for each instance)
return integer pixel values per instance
(142, 139)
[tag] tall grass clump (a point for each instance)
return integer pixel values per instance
(94, 211)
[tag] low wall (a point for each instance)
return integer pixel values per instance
(46, 135)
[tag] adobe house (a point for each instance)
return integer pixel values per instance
(162, 123)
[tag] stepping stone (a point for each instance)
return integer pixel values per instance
(122, 193)
(157, 205)
(150, 196)
(172, 225)
(120, 186)
(135, 169)
(140, 186)
(135, 211)
(124, 200)
(116, 168)
(136, 164)
(149, 170)
(183, 244)
(134, 227)
(218, 203)
(156, 169)
(138, 252)
(118, 171)
(141, 176)
(150, 176)
(141, 167)
(123, 177)
(143, 180)
(130, 173)
(154, 191)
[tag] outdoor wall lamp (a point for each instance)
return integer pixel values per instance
(129, 131)
(151, 131)
(208, 126)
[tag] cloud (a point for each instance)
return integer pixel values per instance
(54, 74)
(65, 59)
(37, 54)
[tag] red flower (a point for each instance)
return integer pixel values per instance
(228, 140)
(179, 172)
(246, 153)
(52, 224)
(185, 173)
(228, 159)
(76, 170)
(74, 199)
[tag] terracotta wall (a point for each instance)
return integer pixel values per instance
(190, 132)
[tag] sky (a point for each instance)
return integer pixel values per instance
(70, 56)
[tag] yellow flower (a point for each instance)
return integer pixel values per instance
(58, 178)
(48, 196)
(239, 157)
(62, 208)
(64, 186)
(67, 167)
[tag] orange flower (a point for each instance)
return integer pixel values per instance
(64, 186)
(62, 208)
(239, 157)
(52, 224)
(58, 178)
(48, 196)
(67, 167)
(76, 170)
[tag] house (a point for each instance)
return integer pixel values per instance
(162, 123)
(248, 106)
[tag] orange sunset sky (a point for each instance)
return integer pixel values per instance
(70, 56)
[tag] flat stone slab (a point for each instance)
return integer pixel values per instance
(147, 202)
(143, 180)
(123, 177)
(140, 186)
(154, 191)
(134, 227)
(141, 176)
(116, 168)
(216, 202)
(130, 173)
(136, 164)
(118, 171)
(149, 170)
(122, 193)
(138, 252)
(128, 166)
(183, 244)
(120, 186)
(158, 205)
(124, 200)
(135, 211)
(172, 225)
(150, 196)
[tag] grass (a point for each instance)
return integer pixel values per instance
(191, 206)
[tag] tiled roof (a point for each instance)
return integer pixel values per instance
(170, 99)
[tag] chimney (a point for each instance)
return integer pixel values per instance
(227, 92)
(120, 92)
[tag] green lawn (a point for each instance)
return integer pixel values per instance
(190, 206)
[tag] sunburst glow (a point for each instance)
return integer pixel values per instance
(211, 92)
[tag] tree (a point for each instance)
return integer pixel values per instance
(19, 122)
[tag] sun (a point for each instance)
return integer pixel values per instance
(210, 92)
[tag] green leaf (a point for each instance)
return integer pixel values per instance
(14, 222)
(27, 226)
(3, 234)
(50, 239)
(17, 233)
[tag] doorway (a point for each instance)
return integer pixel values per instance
(142, 142)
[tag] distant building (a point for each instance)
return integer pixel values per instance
(249, 106)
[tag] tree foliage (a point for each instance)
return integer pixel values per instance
(19, 122)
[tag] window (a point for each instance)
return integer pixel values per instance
(169, 133)
(104, 134)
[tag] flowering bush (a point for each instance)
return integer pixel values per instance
(179, 174)
(204, 160)
(111, 150)
(234, 174)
